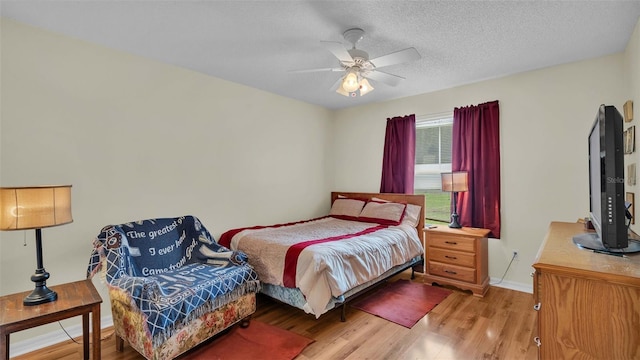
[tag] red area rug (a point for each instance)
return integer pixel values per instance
(257, 341)
(402, 302)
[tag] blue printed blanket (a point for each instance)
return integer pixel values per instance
(173, 269)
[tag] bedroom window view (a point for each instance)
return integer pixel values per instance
(433, 156)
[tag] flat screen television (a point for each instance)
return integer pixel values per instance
(608, 211)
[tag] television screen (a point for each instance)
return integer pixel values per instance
(608, 211)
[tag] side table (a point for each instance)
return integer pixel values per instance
(75, 298)
(458, 257)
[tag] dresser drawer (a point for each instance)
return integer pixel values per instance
(452, 242)
(452, 271)
(452, 257)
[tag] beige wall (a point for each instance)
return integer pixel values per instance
(545, 117)
(140, 139)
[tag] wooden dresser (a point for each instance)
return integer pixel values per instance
(588, 304)
(457, 257)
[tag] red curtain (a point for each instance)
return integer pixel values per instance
(399, 155)
(476, 149)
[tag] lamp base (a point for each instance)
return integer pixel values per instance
(454, 222)
(40, 295)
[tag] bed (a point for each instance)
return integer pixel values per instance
(319, 264)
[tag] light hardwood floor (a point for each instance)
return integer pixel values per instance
(499, 326)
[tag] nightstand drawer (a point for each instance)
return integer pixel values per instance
(451, 242)
(452, 257)
(452, 271)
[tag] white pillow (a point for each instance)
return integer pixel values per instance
(345, 208)
(411, 213)
(385, 213)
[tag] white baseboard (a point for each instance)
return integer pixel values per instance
(52, 338)
(528, 288)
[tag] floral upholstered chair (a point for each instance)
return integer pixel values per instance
(171, 285)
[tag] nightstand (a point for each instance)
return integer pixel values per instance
(457, 257)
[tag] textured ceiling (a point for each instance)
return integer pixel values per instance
(256, 43)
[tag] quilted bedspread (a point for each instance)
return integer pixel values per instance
(324, 257)
(172, 268)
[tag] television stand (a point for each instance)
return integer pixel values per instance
(587, 304)
(591, 241)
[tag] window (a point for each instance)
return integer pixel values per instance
(433, 156)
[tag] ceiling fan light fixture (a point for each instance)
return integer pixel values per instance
(365, 87)
(350, 82)
(353, 84)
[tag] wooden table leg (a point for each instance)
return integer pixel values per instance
(95, 319)
(85, 336)
(4, 346)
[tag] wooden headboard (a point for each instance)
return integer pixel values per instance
(402, 198)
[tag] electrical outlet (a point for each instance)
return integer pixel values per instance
(515, 254)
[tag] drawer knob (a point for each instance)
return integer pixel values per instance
(450, 257)
(537, 341)
(450, 272)
(536, 307)
(451, 242)
(532, 274)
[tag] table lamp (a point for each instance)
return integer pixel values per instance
(36, 207)
(455, 182)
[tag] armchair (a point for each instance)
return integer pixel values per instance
(171, 285)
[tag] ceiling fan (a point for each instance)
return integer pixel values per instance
(359, 67)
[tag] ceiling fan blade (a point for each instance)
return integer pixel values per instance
(389, 79)
(317, 70)
(398, 57)
(338, 50)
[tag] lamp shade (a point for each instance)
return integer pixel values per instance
(455, 181)
(34, 207)
(342, 91)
